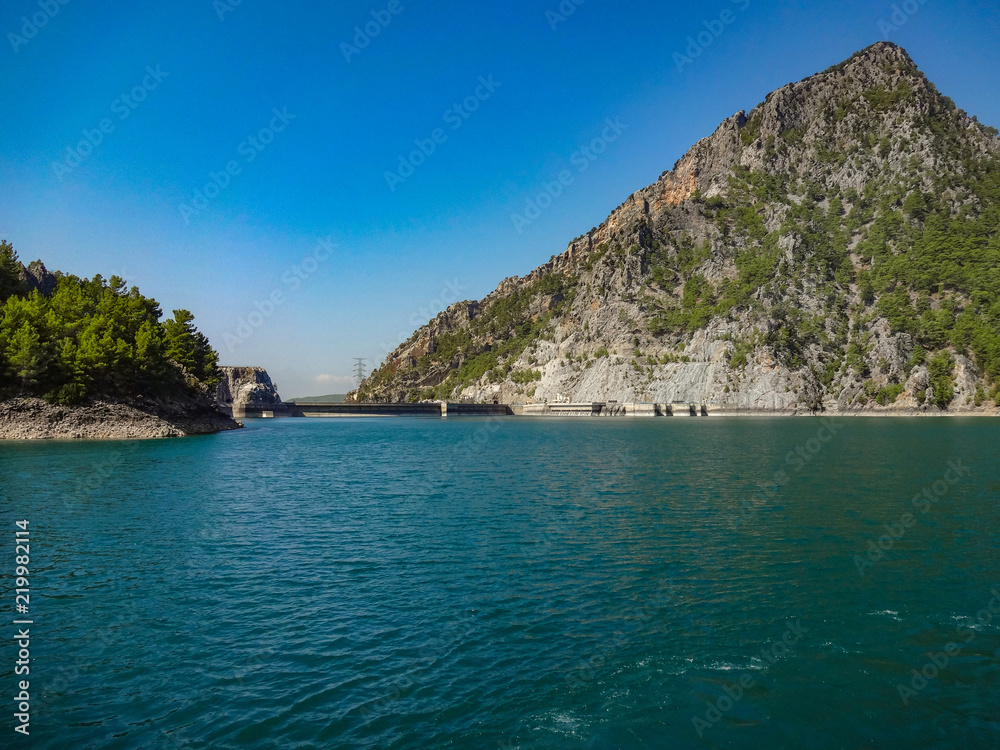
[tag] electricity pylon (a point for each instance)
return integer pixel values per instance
(359, 369)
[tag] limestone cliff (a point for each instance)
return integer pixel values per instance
(835, 248)
(248, 391)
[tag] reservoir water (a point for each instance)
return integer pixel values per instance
(472, 583)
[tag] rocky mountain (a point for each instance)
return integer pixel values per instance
(835, 248)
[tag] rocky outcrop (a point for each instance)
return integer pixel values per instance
(752, 274)
(35, 419)
(248, 391)
(35, 276)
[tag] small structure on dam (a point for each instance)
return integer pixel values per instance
(614, 409)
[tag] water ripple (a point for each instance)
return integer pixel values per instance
(568, 584)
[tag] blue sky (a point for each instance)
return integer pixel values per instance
(232, 157)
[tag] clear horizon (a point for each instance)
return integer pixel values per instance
(342, 175)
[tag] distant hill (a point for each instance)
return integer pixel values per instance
(333, 398)
(836, 248)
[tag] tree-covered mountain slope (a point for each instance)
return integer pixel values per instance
(836, 247)
(91, 358)
(68, 340)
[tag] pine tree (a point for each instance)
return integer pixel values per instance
(187, 346)
(10, 272)
(26, 356)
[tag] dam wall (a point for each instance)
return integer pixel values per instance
(427, 410)
(439, 409)
(363, 410)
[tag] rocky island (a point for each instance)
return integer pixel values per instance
(34, 418)
(833, 249)
(89, 358)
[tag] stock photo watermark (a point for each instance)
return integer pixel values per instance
(363, 35)
(796, 460)
(606, 656)
(456, 632)
(714, 28)
(921, 503)
(562, 13)
(901, 14)
(122, 107)
(62, 675)
(249, 149)
(22, 639)
(938, 661)
(30, 26)
(582, 158)
(450, 294)
(222, 7)
(456, 458)
(291, 281)
(455, 117)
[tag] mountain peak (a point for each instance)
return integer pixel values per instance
(816, 252)
(886, 49)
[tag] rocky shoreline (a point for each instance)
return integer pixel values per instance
(35, 419)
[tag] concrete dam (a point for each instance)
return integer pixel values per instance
(439, 410)
(248, 392)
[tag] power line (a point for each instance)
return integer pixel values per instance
(359, 369)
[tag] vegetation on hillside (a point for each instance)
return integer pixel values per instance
(926, 259)
(506, 324)
(94, 338)
(851, 237)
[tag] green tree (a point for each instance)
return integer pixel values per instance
(92, 337)
(26, 355)
(941, 367)
(190, 348)
(865, 287)
(10, 272)
(915, 206)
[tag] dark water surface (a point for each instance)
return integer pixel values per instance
(463, 583)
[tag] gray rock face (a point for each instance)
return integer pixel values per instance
(605, 319)
(36, 276)
(247, 389)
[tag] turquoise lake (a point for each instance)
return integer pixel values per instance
(512, 583)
